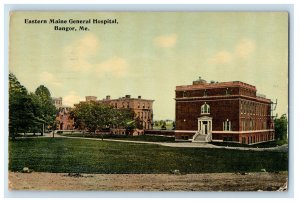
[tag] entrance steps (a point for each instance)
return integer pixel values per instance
(199, 137)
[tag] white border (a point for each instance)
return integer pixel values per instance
(127, 7)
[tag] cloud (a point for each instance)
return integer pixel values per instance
(71, 98)
(244, 48)
(116, 66)
(77, 53)
(49, 79)
(166, 41)
(221, 57)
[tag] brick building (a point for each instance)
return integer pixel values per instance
(143, 109)
(225, 111)
(64, 121)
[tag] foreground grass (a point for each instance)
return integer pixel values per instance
(147, 138)
(259, 145)
(88, 156)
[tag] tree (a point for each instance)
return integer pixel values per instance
(163, 126)
(173, 125)
(95, 116)
(23, 108)
(47, 108)
(28, 111)
(281, 129)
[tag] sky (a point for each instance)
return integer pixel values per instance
(150, 53)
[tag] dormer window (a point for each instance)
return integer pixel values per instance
(205, 109)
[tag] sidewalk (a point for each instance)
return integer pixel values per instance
(180, 144)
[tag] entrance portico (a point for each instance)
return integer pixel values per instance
(204, 133)
(205, 125)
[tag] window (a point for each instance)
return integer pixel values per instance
(227, 125)
(205, 109)
(241, 107)
(227, 92)
(205, 93)
(243, 125)
(252, 124)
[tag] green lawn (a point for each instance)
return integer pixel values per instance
(88, 156)
(147, 138)
(259, 145)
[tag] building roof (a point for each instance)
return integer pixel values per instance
(205, 85)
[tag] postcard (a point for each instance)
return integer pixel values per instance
(148, 101)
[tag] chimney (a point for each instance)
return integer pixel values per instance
(139, 97)
(127, 96)
(108, 97)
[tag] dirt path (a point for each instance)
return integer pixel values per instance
(148, 182)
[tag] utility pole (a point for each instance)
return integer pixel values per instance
(43, 130)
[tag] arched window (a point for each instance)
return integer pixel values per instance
(205, 109)
(227, 125)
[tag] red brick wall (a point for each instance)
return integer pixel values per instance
(184, 135)
(187, 114)
(160, 132)
(222, 136)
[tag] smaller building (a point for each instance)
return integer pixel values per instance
(141, 107)
(63, 118)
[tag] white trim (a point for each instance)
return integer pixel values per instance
(226, 132)
(262, 142)
(248, 131)
(185, 131)
(233, 97)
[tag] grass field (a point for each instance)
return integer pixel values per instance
(259, 145)
(147, 138)
(88, 156)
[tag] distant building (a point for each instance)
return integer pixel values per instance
(225, 111)
(142, 108)
(64, 121)
(57, 102)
